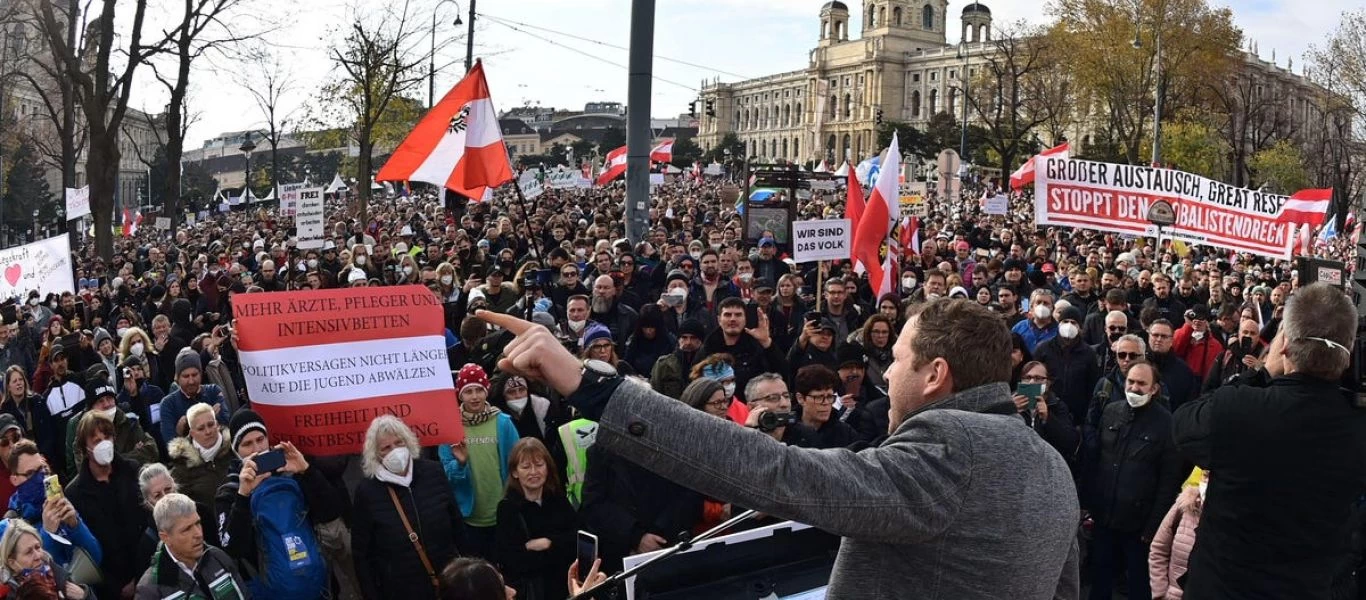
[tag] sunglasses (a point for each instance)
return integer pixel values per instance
(1128, 355)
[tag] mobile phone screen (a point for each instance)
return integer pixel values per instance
(587, 552)
(269, 461)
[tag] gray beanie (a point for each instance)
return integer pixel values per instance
(100, 336)
(187, 359)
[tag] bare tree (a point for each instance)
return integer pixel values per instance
(270, 81)
(1008, 97)
(380, 59)
(52, 84)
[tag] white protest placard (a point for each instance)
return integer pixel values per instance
(77, 202)
(997, 205)
(825, 239)
(531, 186)
(289, 198)
(308, 221)
(656, 179)
(189, 220)
(44, 265)
(162, 223)
(321, 364)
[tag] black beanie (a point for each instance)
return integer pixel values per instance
(243, 422)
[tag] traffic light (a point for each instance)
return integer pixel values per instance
(692, 109)
(879, 116)
(711, 108)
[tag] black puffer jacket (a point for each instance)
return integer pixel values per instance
(1138, 473)
(113, 511)
(387, 564)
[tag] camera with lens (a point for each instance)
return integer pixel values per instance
(769, 421)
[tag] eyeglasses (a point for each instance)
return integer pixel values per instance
(569, 274)
(1128, 355)
(774, 397)
(1117, 328)
(723, 403)
(821, 399)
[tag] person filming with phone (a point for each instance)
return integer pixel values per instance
(932, 518)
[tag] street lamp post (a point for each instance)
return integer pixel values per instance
(963, 138)
(11, 43)
(246, 148)
(1157, 88)
(431, 58)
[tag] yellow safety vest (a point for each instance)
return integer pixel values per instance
(576, 436)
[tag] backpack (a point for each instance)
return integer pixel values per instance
(290, 561)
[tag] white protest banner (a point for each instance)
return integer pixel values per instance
(321, 364)
(531, 186)
(308, 221)
(77, 202)
(996, 205)
(289, 198)
(1115, 198)
(826, 239)
(189, 220)
(44, 265)
(656, 179)
(162, 223)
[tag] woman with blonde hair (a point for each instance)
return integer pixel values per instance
(405, 521)
(19, 400)
(535, 534)
(200, 459)
(29, 570)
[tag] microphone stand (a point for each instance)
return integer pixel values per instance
(607, 588)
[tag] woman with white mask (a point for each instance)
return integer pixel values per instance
(532, 414)
(201, 457)
(405, 523)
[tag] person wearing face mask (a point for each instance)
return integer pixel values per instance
(106, 494)
(405, 523)
(1169, 555)
(533, 414)
(201, 458)
(1195, 344)
(1072, 365)
(1134, 476)
(1040, 326)
(132, 443)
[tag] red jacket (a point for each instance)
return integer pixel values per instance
(1199, 355)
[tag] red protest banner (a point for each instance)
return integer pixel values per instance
(1115, 198)
(320, 365)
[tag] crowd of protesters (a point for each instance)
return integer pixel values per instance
(129, 391)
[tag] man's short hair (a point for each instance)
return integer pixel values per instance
(816, 377)
(1315, 313)
(577, 297)
(757, 381)
(21, 448)
(971, 339)
(170, 509)
(90, 423)
(1164, 322)
(731, 302)
(1129, 337)
(1116, 296)
(1040, 293)
(1157, 373)
(935, 273)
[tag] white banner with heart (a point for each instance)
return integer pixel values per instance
(44, 265)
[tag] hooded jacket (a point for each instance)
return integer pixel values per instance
(1170, 551)
(199, 479)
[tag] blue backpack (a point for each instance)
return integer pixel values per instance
(289, 560)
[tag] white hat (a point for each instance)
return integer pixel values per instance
(356, 275)
(329, 245)
(407, 230)
(400, 248)
(259, 243)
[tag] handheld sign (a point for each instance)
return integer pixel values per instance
(818, 240)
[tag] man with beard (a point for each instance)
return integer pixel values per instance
(1168, 306)
(1082, 295)
(1241, 358)
(619, 318)
(670, 373)
(1177, 377)
(1095, 329)
(269, 280)
(710, 287)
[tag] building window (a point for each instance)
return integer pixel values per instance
(834, 107)
(934, 75)
(784, 154)
(846, 81)
(915, 77)
(915, 104)
(797, 120)
(896, 16)
(953, 73)
(927, 18)
(848, 106)
(796, 148)
(934, 102)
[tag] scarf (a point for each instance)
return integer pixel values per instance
(471, 420)
(209, 453)
(385, 476)
(28, 498)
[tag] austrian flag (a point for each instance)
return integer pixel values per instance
(457, 145)
(615, 166)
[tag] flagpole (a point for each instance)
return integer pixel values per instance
(820, 283)
(521, 199)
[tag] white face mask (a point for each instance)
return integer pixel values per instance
(1068, 330)
(729, 390)
(407, 270)
(716, 246)
(107, 413)
(360, 260)
(137, 348)
(447, 280)
(746, 277)
(517, 404)
(120, 331)
(397, 460)
(1197, 335)
(908, 283)
(103, 453)
(1043, 311)
(696, 254)
(576, 326)
(1137, 400)
(312, 263)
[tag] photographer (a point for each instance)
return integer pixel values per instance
(1241, 358)
(770, 411)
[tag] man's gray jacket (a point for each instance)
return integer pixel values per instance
(962, 501)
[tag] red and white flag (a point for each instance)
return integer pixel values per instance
(457, 145)
(910, 235)
(663, 153)
(1308, 207)
(875, 224)
(614, 167)
(853, 210)
(1025, 174)
(131, 220)
(321, 364)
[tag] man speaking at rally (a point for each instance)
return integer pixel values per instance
(963, 500)
(1286, 461)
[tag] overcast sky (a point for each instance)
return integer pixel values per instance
(730, 39)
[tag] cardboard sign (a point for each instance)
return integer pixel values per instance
(913, 205)
(77, 202)
(531, 186)
(44, 265)
(322, 364)
(826, 239)
(1115, 198)
(997, 205)
(162, 223)
(308, 220)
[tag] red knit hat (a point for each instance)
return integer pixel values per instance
(471, 374)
